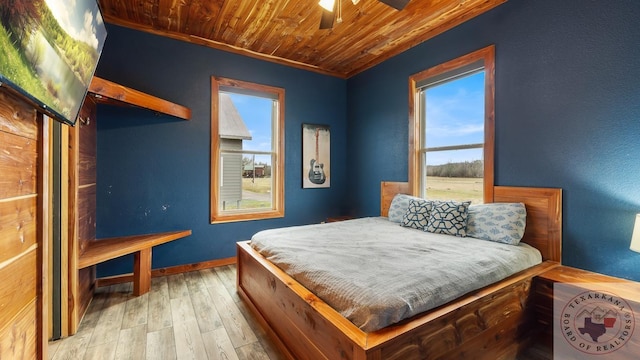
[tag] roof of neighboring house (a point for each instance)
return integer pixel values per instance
(250, 166)
(231, 124)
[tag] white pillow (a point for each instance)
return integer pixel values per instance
(499, 222)
(399, 206)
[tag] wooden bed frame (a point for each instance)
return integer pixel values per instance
(494, 322)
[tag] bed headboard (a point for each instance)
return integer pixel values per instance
(544, 213)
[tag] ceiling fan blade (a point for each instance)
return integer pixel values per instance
(396, 4)
(326, 22)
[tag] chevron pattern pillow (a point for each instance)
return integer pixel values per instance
(448, 217)
(417, 215)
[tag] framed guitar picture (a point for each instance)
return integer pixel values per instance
(316, 156)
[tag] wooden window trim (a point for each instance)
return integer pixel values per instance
(277, 210)
(487, 56)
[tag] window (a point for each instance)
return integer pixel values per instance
(247, 151)
(452, 129)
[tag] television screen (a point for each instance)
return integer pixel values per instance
(49, 50)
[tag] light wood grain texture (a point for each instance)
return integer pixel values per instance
(307, 328)
(136, 311)
(17, 226)
(17, 117)
(24, 229)
(161, 345)
(177, 286)
(185, 339)
(110, 322)
(287, 32)
(218, 345)
(203, 307)
(106, 351)
(159, 316)
(18, 165)
(188, 339)
(173, 270)
(18, 341)
(237, 327)
(19, 284)
(109, 92)
(132, 343)
(182, 310)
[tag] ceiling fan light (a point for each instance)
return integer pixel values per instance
(327, 4)
(355, 2)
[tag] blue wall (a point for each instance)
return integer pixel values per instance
(567, 115)
(153, 170)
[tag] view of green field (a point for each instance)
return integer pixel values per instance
(455, 188)
(257, 192)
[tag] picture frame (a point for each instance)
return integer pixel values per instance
(316, 156)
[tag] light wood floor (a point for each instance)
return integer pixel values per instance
(195, 315)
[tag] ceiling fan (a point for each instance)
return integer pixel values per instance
(329, 7)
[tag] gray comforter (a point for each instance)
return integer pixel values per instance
(376, 273)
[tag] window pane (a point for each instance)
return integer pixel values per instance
(455, 175)
(255, 120)
(451, 129)
(245, 125)
(246, 182)
(454, 116)
(454, 111)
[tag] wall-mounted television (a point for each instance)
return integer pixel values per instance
(49, 50)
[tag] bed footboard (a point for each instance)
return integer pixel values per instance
(304, 326)
(493, 323)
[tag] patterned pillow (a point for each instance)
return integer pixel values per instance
(399, 206)
(417, 215)
(448, 217)
(499, 222)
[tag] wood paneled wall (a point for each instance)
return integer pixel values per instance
(82, 209)
(23, 229)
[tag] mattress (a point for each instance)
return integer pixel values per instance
(377, 273)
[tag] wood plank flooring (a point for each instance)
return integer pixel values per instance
(195, 315)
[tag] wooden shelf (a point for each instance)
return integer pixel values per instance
(107, 92)
(106, 249)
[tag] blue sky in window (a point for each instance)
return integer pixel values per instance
(455, 115)
(256, 114)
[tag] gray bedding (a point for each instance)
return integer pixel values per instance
(376, 273)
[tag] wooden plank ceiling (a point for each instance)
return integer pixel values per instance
(287, 31)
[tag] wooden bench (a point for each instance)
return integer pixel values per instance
(140, 246)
